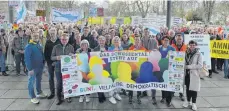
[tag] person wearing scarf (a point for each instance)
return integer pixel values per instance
(125, 41)
(34, 60)
(193, 63)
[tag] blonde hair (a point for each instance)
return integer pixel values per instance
(116, 38)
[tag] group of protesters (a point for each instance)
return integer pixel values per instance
(38, 46)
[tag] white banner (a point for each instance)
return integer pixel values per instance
(66, 15)
(203, 42)
(154, 72)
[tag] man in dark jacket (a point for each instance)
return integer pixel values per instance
(47, 53)
(86, 33)
(61, 49)
(101, 47)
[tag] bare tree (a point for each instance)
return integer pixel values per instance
(208, 9)
(143, 7)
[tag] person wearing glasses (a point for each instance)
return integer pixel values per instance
(61, 49)
(34, 60)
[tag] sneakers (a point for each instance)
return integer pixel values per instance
(194, 107)
(117, 96)
(81, 99)
(87, 99)
(51, 96)
(41, 95)
(112, 100)
(35, 101)
(162, 100)
(5, 74)
(186, 104)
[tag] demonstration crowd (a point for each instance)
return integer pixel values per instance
(37, 45)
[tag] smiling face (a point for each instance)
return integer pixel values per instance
(64, 39)
(35, 37)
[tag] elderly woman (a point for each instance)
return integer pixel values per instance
(84, 48)
(116, 44)
(193, 63)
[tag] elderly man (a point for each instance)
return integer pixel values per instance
(18, 46)
(61, 49)
(47, 53)
(34, 60)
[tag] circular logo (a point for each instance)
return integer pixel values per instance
(67, 59)
(70, 91)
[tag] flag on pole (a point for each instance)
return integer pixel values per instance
(21, 13)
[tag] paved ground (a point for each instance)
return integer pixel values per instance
(214, 96)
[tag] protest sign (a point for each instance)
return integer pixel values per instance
(119, 21)
(220, 49)
(203, 43)
(3, 18)
(66, 15)
(130, 70)
(40, 12)
(135, 20)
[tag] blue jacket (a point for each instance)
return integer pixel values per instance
(34, 57)
(164, 53)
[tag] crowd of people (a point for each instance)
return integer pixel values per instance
(38, 46)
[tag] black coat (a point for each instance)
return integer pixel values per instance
(48, 50)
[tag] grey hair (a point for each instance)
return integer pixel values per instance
(84, 42)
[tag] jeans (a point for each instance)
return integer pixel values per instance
(226, 71)
(59, 85)
(37, 76)
(19, 58)
(51, 78)
(2, 62)
(138, 94)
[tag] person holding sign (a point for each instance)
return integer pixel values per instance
(181, 47)
(226, 71)
(84, 66)
(34, 60)
(61, 49)
(193, 64)
(116, 46)
(164, 50)
(137, 46)
(101, 47)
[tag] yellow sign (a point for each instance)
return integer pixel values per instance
(40, 12)
(220, 49)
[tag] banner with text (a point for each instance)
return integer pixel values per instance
(203, 43)
(66, 15)
(220, 49)
(130, 70)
